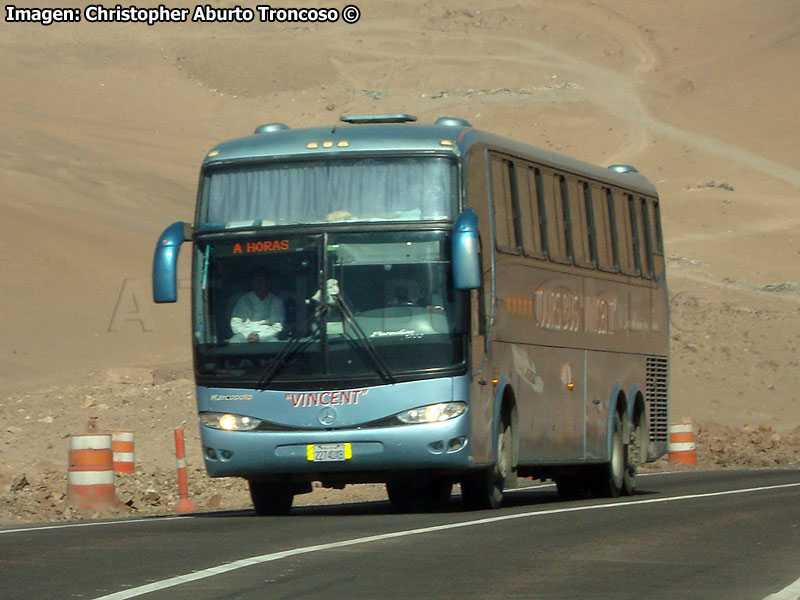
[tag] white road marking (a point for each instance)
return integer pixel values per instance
(790, 592)
(70, 525)
(273, 556)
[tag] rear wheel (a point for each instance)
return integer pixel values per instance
(633, 453)
(609, 478)
(484, 489)
(271, 498)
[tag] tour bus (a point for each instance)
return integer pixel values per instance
(422, 305)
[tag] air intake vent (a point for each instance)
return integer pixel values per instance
(657, 397)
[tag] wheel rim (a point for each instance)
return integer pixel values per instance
(617, 455)
(503, 455)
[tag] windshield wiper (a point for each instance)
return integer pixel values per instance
(294, 345)
(378, 362)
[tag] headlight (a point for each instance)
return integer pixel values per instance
(228, 422)
(433, 413)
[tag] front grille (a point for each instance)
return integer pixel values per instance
(658, 397)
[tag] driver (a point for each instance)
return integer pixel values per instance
(258, 315)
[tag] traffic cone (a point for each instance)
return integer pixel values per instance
(184, 504)
(682, 449)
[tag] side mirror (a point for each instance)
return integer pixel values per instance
(466, 251)
(165, 261)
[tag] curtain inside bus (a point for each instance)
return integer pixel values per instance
(331, 190)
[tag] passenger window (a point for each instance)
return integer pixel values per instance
(550, 195)
(502, 199)
(645, 238)
(624, 233)
(576, 222)
(602, 227)
(530, 220)
(654, 218)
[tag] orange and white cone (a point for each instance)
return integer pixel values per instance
(682, 448)
(90, 477)
(184, 504)
(123, 450)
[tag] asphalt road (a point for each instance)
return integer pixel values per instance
(705, 535)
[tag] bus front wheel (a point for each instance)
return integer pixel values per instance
(484, 489)
(271, 498)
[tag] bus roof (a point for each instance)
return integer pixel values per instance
(396, 133)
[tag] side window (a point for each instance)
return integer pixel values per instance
(645, 236)
(602, 227)
(554, 216)
(530, 219)
(502, 199)
(654, 218)
(577, 224)
(591, 234)
(624, 233)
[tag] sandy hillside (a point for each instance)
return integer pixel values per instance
(103, 127)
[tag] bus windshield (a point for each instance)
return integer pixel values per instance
(410, 188)
(301, 310)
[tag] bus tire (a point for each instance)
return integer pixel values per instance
(632, 454)
(271, 498)
(609, 477)
(484, 489)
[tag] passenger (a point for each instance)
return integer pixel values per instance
(258, 315)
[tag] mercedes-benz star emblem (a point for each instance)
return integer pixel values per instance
(327, 416)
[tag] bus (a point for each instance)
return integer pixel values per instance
(383, 301)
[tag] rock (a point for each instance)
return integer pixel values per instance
(47, 467)
(765, 426)
(19, 483)
(214, 502)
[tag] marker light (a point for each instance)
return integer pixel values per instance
(228, 422)
(433, 413)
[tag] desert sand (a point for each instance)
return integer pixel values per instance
(104, 125)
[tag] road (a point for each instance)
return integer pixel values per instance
(705, 535)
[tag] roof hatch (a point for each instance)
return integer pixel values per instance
(271, 128)
(623, 168)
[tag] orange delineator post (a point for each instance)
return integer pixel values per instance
(682, 448)
(184, 504)
(90, 477)
(122, 448)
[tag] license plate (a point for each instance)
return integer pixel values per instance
(329, 452)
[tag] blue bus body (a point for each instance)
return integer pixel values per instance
(533, 342)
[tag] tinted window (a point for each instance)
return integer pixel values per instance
(602, 228)
(503, 202)
(550, 190)
(530, 218)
